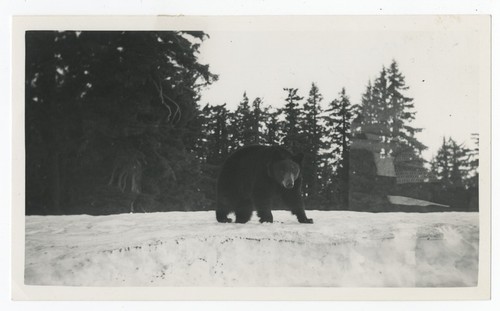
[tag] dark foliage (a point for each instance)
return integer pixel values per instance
(109, 121)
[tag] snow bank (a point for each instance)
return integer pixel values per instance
(347, 249)
(400, 200)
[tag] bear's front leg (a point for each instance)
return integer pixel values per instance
(293, 199)
(265, 216)
(263, 205)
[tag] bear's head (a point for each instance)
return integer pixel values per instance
(286, 170)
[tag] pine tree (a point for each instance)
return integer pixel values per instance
(450, 164)
(241, 127)
(257, 122)
(380, 112)
(473, 160)
(217, 129)
(312, 132)
(338, 119)
(387, 112)
(291, 126)
(401, 113)
(366, 110)
(273, 132)
(459, 166)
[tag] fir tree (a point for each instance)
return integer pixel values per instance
(401, 113)
(291, 127)
(312, 132)
(257, 122)
(213, 147)
(473, 160)
(241, 126)
(217, 129)
(338, 118)
(381, 99)
(450, 164)
(273, 132)
(387, 112)
(366, 110)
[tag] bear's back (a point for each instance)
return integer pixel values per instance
(247, 165)
(264, 152)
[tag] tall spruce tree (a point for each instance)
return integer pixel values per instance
(218, 142)
(450, 164)
(257, 122)
(291, 126)
(312, 133)
(386, 111)
(273, 132)
(241, 127)
(473, 160)
(367, 109)
(401, 113)
(338, 119)
(214, 147)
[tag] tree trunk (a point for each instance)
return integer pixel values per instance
(55, 183)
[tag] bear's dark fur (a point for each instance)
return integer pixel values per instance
(252, 176)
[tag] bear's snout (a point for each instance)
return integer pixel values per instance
(288, 184)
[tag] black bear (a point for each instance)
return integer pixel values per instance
(252, 176)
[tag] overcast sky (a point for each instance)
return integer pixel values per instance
(441, 67)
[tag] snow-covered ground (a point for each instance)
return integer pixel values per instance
(347, 249)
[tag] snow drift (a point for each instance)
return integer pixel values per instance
(347, 249)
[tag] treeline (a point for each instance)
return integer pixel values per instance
(114, 125)
(454, 177)
(383, 128)
(455, 165)
(301, 125)
(322, 130)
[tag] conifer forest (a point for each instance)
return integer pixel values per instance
(114, 124)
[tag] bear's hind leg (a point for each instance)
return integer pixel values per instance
(244, 211)
(222, 217)
(221, 212)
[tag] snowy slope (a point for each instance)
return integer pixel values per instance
(192, 249)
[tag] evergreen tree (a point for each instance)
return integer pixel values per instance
(401, 113)
(450, 164)
(217, 129)
(473, 160)
(380, 109)
(338, 118)
(366, 110)
(312, 132)
(108, 114)
(216, 148)
(387, 112)
(459, 168)
(241, 126)
(257, 122)
(273, 132)
(291, 127)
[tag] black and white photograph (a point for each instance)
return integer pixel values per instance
(270, 152)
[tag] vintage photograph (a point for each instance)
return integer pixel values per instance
(342, 154)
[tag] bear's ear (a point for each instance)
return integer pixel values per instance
(298, 158)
